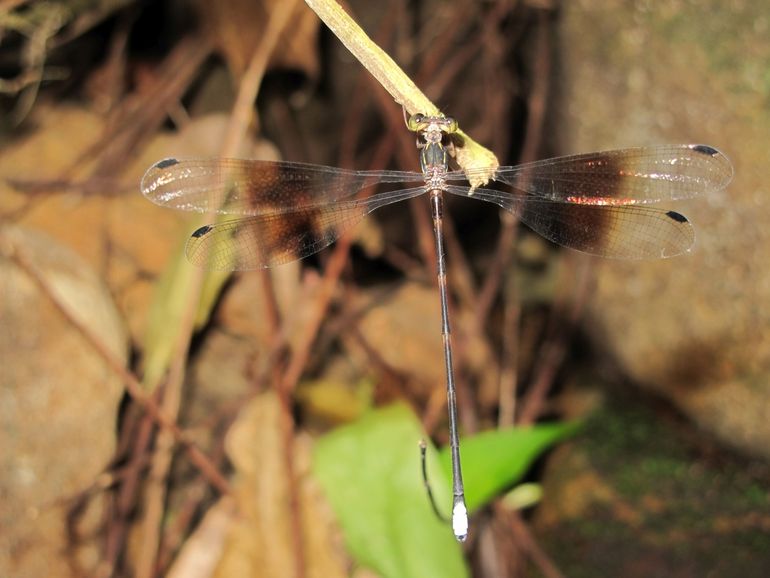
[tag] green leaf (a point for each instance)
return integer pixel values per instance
(371, 474)
(494, 460)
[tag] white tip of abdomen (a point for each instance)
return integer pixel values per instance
(460, 521)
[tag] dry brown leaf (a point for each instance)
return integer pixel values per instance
(237, 27)
(261, 541)
(200, 555)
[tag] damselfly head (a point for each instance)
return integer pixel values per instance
(422, 123)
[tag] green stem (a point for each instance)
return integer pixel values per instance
(403, 90)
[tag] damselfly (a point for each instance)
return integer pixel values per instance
(596, 203)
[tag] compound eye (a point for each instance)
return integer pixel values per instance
(451, 125)
(416, 122)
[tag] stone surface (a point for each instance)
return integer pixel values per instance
(695, 328)
(58, 407)
(631, 497)
(123, 237)
(404, 327)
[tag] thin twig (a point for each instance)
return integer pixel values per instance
(334, 267)
(512, 308)
(525, 541)
(564, 317)
(354, 112)
(509, 365)
(332, 272)
(235, 134)
(242, 111)
(141, 113)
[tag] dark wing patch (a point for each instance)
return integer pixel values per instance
(621, 177)
(273, 239)
(615, 231)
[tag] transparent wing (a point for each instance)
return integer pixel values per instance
(275, 238)
(616, 231)
(620, 177)
(253, 187)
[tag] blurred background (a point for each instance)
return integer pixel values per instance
(159, 421)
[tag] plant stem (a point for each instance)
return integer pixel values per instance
(403, 90)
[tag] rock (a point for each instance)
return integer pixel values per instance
(694, 328)
(628, 498)
(126, 239)
(58, 408)
(404, 328)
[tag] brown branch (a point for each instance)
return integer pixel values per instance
(564, 318)
(525, 541)
(512, 308)
(144, 111)
(235, 134)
